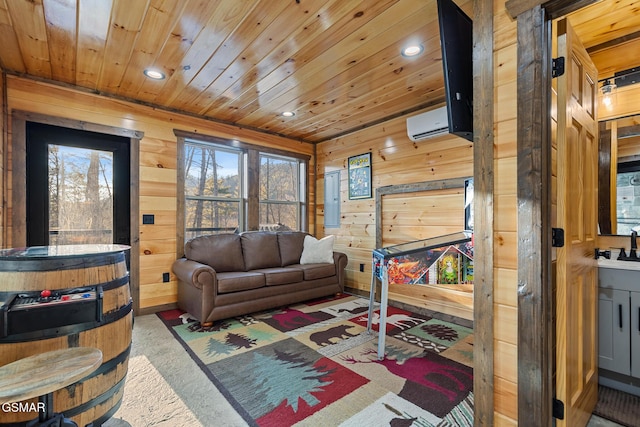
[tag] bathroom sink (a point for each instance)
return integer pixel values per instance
(616, 263)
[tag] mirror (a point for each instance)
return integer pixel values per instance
(619, 176)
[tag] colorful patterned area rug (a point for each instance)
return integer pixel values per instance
(316, 364)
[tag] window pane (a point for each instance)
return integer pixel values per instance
(278, 179)
(80, 195)
(211, 217)
(279, 214)
(211, 172)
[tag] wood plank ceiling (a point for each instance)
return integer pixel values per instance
(335, 63)
(610, 31)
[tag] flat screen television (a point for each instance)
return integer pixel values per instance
(456, 41)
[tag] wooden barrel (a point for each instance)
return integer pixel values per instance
(65, 270)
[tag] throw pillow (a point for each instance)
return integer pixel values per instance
(316, 251)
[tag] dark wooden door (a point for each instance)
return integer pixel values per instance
(39, 140)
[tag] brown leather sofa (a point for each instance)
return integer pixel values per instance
(227, 275)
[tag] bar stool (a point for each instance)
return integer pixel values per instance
(42, 374)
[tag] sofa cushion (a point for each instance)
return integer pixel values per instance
(239, 281)
(317, 251)
(260, 250)
(281, 276)
(291, 244)
(223, 252)
(315, 271)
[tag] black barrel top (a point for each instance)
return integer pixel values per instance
(59, 251)
(60, 257)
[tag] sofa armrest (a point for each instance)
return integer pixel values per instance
(340, 260)
(197, 287)
(194, 273)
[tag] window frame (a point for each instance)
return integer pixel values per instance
(300, 203)
(240, 199)
(251, 163)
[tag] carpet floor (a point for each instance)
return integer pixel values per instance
(315, 364)
(165, 386)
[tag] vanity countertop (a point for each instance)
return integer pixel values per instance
(616, 264)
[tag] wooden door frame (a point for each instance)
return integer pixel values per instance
(483, 176)
(19, 121)
(535, 298)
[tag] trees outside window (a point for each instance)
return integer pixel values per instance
(80, 195)
(213, 189)
(217, 180)
(280, 195)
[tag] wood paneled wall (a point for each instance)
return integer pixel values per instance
(421, 214)
(625, 104)
(158, 176)
(506, 212)
(395, 160)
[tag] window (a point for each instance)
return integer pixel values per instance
(80, 195)
(228, 186)
(281, 198)
(213, 189)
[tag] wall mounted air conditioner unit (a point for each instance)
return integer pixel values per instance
(428, 125)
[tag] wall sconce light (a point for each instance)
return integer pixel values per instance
(609, 94)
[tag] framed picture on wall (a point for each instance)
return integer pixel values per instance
(359, 169)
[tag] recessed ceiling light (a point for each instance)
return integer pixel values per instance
(154, 74)
(288, 114)
(413, 50)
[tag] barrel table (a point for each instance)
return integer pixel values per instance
(42, 374)
(66, 296)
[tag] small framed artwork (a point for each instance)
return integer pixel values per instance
(359, 168)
